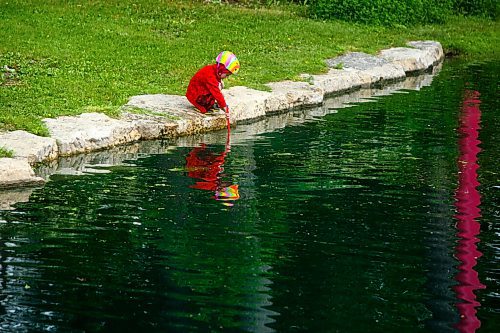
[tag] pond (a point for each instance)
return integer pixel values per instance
(381, 216)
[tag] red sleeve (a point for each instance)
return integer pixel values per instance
(213, 87)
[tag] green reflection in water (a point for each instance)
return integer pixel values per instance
(343, 224)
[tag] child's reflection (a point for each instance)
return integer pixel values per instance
(205, 165)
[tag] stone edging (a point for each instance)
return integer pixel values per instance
(163, 116)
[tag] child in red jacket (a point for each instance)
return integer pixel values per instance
(204, 89)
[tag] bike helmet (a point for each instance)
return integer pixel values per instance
(229, 60)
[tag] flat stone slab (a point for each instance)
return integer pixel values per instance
(174, 112)
(288, 95)
(151, 126)
(89, 131)
(376, 69)
(357, 60)
(337, 81)
(433, 49)
(245, 103)
(33, 148)
(164, 104)
(17, 172)
(422, 56)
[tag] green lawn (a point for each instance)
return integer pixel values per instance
(69, 57)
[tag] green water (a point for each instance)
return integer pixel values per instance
(345, 222)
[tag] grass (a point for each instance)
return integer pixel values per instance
(64, 58)
(4, 152)
(136, 110)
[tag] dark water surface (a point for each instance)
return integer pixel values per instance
(381, 217)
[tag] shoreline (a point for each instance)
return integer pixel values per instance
(149, 117)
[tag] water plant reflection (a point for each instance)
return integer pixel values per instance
(467, 203)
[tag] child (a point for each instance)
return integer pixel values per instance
(204, 89)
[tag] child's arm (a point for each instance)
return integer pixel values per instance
(213, 87)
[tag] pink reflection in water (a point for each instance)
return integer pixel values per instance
(467, 204)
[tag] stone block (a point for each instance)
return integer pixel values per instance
(376, 69)
(424, 55)
(288, 95)
(28, 146)
(245, 103)
(337, 81)
(434, 50)
(170, 116)
(17, 172)
(90, 131)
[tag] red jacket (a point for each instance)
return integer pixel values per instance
(204, 89)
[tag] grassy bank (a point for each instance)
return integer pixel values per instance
(59, 58)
